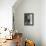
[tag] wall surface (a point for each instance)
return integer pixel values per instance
(29, 32)
(43, 22)
(6, 13)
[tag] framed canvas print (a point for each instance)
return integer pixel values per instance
(28, 18)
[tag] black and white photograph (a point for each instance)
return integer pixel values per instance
(28, 19)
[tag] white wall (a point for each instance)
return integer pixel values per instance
(31, 32)
(43, 22)
(6, 13)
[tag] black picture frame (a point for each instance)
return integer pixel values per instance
(13, 22)
(29, 19)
